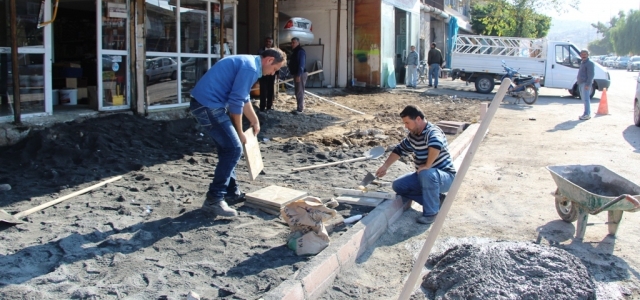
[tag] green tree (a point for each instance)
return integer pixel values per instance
(516, 18)
(624, 34)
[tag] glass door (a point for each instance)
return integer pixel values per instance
(113, 73)
(33, 59)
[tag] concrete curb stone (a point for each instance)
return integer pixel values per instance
(318, 275)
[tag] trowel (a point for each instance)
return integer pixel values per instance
(367, 179)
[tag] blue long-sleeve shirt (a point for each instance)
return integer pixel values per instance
(228, 83)
(586, 73)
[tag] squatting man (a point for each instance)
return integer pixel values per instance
(434, 167)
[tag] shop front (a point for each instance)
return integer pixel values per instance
(110, 55)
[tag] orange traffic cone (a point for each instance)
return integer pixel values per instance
(603, 108)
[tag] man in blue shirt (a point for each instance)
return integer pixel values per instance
(218, 102)
(585, 83)
(434, 167)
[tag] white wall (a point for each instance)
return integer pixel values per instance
(324, 16)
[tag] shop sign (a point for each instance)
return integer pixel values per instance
(117, 10)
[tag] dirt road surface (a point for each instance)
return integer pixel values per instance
(506, 195)
(144, 237)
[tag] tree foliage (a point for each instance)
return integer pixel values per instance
(515, 18)
(621, 35)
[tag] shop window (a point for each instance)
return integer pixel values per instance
(114, 25)
(161, 74)
(193, 27)
(161, 25)
(31, 77)
(28, 12)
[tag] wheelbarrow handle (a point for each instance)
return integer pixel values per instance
(616, 200)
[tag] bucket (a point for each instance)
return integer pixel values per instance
(68, 97)
(54, 97)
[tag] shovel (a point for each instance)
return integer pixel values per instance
(367, 179)
(15, 219)
(369, 154)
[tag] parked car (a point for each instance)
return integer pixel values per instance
(291, 27)
(636, 103)
(633, 64)
(160, 68)
(621, 62)
(608, 62)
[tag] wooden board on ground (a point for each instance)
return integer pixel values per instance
(269, 210)
(252, 154)
(365, 201)
(448, 129)
(274, 196)
(359, 193)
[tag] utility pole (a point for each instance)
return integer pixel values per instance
(14, 64)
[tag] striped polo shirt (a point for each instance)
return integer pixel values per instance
(431, 136)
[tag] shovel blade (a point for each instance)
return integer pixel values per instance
(5, 217)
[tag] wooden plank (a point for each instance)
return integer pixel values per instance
(352, 192)
(365, 201)
(275, 196)
(449, 129)
(252, 154)
(269, 210)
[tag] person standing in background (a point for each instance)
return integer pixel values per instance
(412, 67)
(585, 83)
(267, 81)
(435, 61)
(297, 69)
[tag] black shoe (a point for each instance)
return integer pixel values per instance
(426, 220)
(435, 87)
(430, 85)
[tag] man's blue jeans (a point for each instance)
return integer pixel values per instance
(586, 98)
(412, 75)
(425, 188)
(434, 71)
(217, 123)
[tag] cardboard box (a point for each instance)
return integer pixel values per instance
(83, 93)
(61, 83)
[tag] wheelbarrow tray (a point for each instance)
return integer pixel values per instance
(593, 186)
(591, 189)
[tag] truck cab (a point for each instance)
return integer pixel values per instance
(562, 64)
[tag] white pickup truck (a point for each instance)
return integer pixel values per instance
(479, 59)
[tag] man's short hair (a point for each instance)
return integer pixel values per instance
(277, 54)
(433, 44)
(295, 39)
(412, 112)
(268, 38)
(585, 51)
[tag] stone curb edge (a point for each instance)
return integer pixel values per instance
(311, 281)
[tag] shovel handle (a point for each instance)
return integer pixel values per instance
(330, 164)
(54, 202)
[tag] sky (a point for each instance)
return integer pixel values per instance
(597, 10)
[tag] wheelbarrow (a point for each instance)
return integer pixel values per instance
(590, 189)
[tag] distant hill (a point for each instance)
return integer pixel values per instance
(576, 31)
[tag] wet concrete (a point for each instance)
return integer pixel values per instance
(507, 270)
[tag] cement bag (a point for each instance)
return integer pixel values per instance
(305, 217)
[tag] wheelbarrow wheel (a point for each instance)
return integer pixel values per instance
(566, 209)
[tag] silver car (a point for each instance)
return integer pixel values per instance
(636, 103)
(291, 27)
(160, 68)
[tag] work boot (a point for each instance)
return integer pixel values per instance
(426, 219)
(234, 197)
(219, 207)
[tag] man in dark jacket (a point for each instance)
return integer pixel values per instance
(435, 61)
(585, 83)
(266, 81)
(296, 67)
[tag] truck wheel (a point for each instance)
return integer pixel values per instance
(531, 95)
(574, 91)
(593, 91)
(566, 209)
(484, 84)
